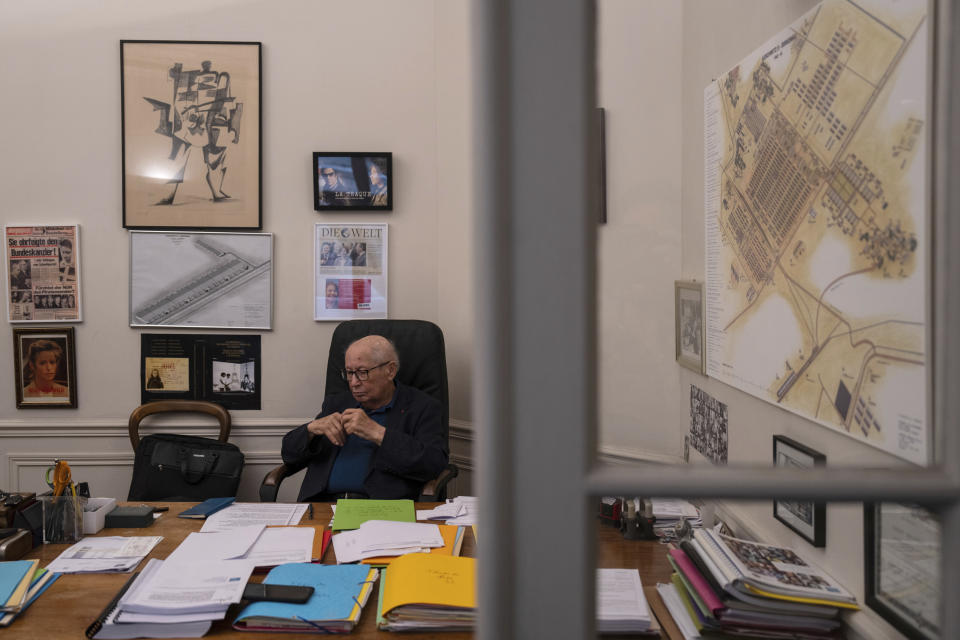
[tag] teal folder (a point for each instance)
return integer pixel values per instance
(11, 574)
(340, 592)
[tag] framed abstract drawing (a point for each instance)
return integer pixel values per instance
(190, 120)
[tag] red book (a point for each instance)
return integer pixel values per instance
(690, 572)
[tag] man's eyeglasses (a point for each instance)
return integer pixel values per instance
(327, 174)
(362, 374)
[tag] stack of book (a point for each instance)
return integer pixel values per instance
(428, 592)
(21, 582)
(727, 587)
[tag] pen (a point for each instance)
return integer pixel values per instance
(310, 510)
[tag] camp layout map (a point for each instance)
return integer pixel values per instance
(816, 194)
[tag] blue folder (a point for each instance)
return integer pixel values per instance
(206, 508)
(339, 593)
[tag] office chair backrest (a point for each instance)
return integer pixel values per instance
(420, 346)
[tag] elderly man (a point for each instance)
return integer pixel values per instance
(380, 440)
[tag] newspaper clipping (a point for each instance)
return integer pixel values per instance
(350, 271)
(43, 269)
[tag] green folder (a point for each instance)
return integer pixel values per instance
(351, 513)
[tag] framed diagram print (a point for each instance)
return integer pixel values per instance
(201, 279)
(190, 118)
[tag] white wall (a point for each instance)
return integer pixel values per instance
(639, 247)
(369, 75)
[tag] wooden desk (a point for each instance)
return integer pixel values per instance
(73, 601)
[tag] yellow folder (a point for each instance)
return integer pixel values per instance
(430, 579)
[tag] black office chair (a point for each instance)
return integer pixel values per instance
(179, 468)
(423, 365)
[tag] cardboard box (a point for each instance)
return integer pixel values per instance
(95, 514)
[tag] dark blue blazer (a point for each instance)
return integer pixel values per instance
(413, 452)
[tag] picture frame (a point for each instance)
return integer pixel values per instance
(191, 134)
(201, 279)
(690, 338)
(221, 368)
(43, 273)
(352, 181)
(807, 519)
(902, 564)
(350, 271)
(45, 367)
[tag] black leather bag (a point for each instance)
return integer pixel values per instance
(171, 467)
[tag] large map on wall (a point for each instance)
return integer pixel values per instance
(816, 196)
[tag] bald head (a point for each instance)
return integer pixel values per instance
(375, 358)
(379, 348)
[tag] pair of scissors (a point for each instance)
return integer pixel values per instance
(62, 478)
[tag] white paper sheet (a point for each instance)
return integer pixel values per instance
(108, 554)
(282, 545)
(244, 514)
(219, 545)
(178, 588)
(385, 538)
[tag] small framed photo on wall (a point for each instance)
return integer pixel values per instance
(809, 519)
(352, 181)
(691, 351)
(45, 369)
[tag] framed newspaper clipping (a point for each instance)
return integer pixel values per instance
(45, 367)
(688, 298)
(190, 120)
(43, 271)
(201, 279)
(902, 565)
(350, 271)
(809, 519)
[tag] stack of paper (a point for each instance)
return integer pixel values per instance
(173, 600)
(670, 513)
(338, 597)
(385, 538)
(470, 514)
(244, 514)
(452, 541)
(621, 605)
(428, 592)
(107, 554)
(37, 581)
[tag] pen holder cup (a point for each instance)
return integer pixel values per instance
(62, 518)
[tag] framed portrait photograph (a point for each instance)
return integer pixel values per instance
(201, 279)
(688, 297)
(43, 271)
(902, 564)
(808, 519)
(352, 181)
(191, 123)
(45, 367)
